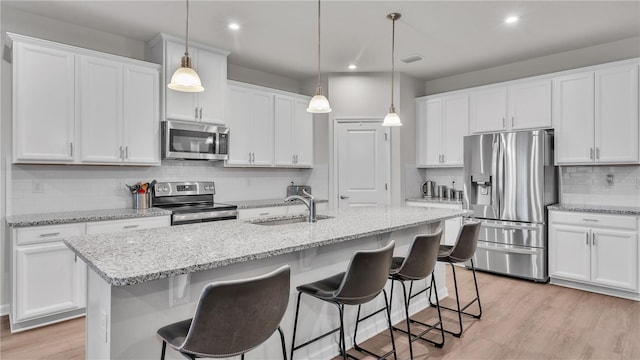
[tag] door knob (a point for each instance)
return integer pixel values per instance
(343, 197)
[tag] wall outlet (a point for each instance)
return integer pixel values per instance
(37, 186)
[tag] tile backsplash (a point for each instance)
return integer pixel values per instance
(589, 185)
(51, 188)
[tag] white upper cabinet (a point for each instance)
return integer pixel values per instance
(73, 105)
(443, 121)
(520, 105)
(210, 64)
(251, 118)
(293, 132)
(43, 103)
(596, 116)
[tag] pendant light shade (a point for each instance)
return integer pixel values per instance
(319, 104)
(392, 118)
(186, 79)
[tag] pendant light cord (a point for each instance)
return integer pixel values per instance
(393, 48)
(319, 85)
(186, 43)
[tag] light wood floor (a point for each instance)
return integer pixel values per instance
(521, 320)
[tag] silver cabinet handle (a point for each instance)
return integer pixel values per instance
(265, 213)
(71, 149)
(121, 153)
(443, 159)
(591, 153)
(593, 239)
(343, 197)
(253, 157)
(196, 114)
(597, 153)
(296, 158)
(130, 226)
(126, 152)
(512, 121)
(590, 220)
(587, 238)
(49, 234)
(293, 159)
(75, 258)
(200, 113)
(504, 123)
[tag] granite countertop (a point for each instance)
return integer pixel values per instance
(435, 200)
(143, 255)
(598, 209)
(67, 217)
(251, 204)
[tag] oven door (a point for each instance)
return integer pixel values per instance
(199, 217)
(198, 141)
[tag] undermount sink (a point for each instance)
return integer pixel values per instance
(286, 221)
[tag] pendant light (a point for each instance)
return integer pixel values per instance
(319, 104)
(186, 79)
(392, 119)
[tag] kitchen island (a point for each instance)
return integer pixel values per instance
(139, 281)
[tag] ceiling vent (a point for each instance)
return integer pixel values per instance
(411, 58)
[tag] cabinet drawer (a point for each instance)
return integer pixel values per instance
(260, 212)
(102, 227)
(593, 220)
(40, 234)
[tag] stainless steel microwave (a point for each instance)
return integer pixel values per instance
(194, 141)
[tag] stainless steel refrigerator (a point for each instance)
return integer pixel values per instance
(509, 179)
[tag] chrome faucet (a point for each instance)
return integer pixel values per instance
(309, 201)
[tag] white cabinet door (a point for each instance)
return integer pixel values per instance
(178, 105)
(421, 132)
(284, 123)
(455, 124)
(46, 281)
(262, 128)
(616, 115)
(574, 118)
(569, 252)
(212, 69)
(614, 258)
(141, 107)
(43, 104)
(303, 133)
(530, 105)
(100, 110)
(488, 109)
(433, 132)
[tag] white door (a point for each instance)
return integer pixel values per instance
(616, 117)
(569, 252)
(573, 97)
(530, 105)
(239, 119)
(179, 105)
(284, 122)
(212, 69)
(141, 125)
(433, 132)
(303, 135)
(362, 163)
(614, 258)
(100, 120)
(455, 122)
(261, 128)
(489, 109)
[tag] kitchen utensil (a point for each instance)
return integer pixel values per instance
(151, 186)
(428, 189)
(442, 191)
(459, 194)
(451, 193)
(141, 200)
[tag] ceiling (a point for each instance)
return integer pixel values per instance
(280, 36)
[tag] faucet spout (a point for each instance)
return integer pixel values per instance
(309, 201)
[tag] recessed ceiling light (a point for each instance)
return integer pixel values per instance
(511, 19)
(234, 26)
(352, 67)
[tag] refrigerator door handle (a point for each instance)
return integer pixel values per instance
(498, 165)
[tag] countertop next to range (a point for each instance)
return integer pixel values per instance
(436, 200)
(139, 256)
(68, 217)
(597, 209)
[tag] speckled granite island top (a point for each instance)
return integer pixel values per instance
(597, 209)
(138, 256)
(436, 200)
(68, 217)
(252, 204)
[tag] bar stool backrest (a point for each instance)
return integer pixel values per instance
(465, 246)
(233, 317)
(422, 257)
(366, 275)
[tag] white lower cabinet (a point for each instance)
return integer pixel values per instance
(48, 279)
(594, 252)
(451, 226)
(269, 211)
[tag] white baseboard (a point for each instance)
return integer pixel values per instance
(4, 309)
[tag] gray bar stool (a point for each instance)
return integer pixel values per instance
(461, 252)
(232, 317)
(417, 265)
(363, 281)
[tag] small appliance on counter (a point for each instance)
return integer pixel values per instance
(297, 189)
(428, 189)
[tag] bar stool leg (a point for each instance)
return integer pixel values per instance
(475, 281)
(164, 350)
(433, 284)
(284, 347)
(343, 347)
(406, 314)
(387, 305)
(455, 284)
(295, 326)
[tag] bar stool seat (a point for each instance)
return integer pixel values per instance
(363, 281)
(461, 252)
(232, 317)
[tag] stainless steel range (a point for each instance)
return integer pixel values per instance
(191, 202)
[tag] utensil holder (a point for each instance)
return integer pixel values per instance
(141, 200)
